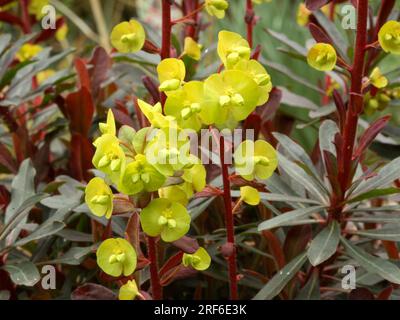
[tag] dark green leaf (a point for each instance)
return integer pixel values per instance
(384, 268)
(374, 194)
(288, 218)
(24, 273)
(324, 245)
(281, 279)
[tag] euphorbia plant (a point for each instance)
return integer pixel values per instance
(264, 218)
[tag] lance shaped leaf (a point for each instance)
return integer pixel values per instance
(384, 268)
(324, 245)
(281, 279)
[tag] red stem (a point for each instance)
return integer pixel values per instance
(166, 37)
(27, 28)
(191, 29)
(154, 278)
(355, 100)
(229, 223)
(166, 29)
(249, 18)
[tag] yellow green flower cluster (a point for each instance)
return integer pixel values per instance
(156, 160)
(224, 98)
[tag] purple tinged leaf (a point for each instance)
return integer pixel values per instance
(369, 135)
(92, 291)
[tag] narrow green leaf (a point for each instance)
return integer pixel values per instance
(24, 273)
(45, 230)
(294, 100)
(290, 43)
(388, 233)
(324, 245)
(290, 74)
(386, 175)
(279, 197)
(384, 268)
(73, 256)
(20, 213)
(374, 194)
(298, 174)
(377, 218)
(281, 279)
(288, 218)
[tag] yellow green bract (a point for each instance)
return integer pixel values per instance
(231, 94)
(232, 47)
(377, 79)
(109, 157)
(164, 218)
(192, 49)
(128, 37)
(109, 126)
(255, 159)
(129, 291)
(250, 195)
(389, 37)
(322, 57)
(200, 260)
(154, 115)
(185, 105)
(116, 257)
(171, 74)
(259, 75)
(140, 175)
(99, 198)
(216, 8)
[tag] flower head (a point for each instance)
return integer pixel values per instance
(217, 8)
(250, 195)
(109, 157)
(171, 74)
(322, 57)
(140, 175)
(377, 79)
(128, 37)
(99, 198)
(116, 257)
(232, 47)
(168, 150)
(200, 260)
(192, 49)
(185, 105)
(129, 291)
(28, 51)
(255, 159)
(389, 37)
(164, 218)
(259, 75)
(231, 94)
